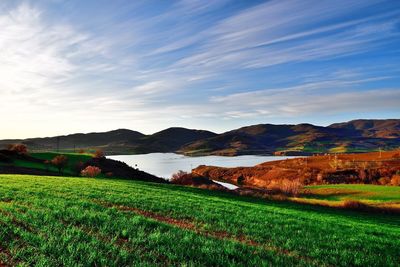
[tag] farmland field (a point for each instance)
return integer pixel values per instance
(55, 221)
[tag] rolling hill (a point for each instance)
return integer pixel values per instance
(353, 136)
(372, 128)
(121, 141)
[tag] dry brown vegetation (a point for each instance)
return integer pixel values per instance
(364, 168)
(189, 179)
(18, 148)
(91, 171)
(60, 162)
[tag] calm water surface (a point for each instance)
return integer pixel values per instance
(165, 164)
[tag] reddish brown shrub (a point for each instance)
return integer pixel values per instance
(286, 186)
(355, 205)
(91, 171)
(181, 177)
(19, 148)
(60, 162)
(395, 180)
(99, 154)
(384, 181)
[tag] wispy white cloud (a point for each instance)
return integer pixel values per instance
(266, 35)
(188, 61)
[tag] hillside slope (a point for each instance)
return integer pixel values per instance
(356, 136)
(121, 141)
(171, 139)
(109, 141)
(361, 168)
(304, 139)
(55, 221)
(372, 128)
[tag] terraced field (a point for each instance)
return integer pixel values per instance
(53, 221)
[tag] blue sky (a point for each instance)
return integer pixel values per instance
(83, 66)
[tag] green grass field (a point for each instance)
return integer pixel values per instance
(73, 159)
(372, 194)
(50, 221)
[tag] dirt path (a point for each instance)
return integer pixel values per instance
(197, 228)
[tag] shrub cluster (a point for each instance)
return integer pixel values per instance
(181, 177)
(286, 186)
(91, 171)
(19, 148)
(60, 162)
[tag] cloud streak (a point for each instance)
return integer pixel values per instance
(193, 63)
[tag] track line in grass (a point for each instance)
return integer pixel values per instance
(6, 254)
(17, 222)
(6, 258)
(221, 235)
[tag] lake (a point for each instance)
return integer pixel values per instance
(165, 164)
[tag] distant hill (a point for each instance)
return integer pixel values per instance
(372, 128)
(116, 140)
(353, 136)
(121, 141)
(171, 139)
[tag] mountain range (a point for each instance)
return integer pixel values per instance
(352, 136)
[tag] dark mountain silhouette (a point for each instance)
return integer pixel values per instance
(353, 136)
(121, 141)
(171, 139)
(372, 128)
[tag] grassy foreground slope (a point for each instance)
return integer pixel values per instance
(53, 221)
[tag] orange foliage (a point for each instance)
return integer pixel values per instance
(19, 148)
(91, 171)
(99, 154)
(60, 162)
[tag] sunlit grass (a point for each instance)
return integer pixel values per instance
(52, 221)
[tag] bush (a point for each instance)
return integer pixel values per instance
(91, 171)
(395, 180)
(19, 148)
(60, 162)
(355, 205)
(180, 177)
(99, 154)
(384, 181)
(286, 186)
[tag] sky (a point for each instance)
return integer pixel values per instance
(98, 65)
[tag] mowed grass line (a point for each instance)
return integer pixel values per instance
(71, 226)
